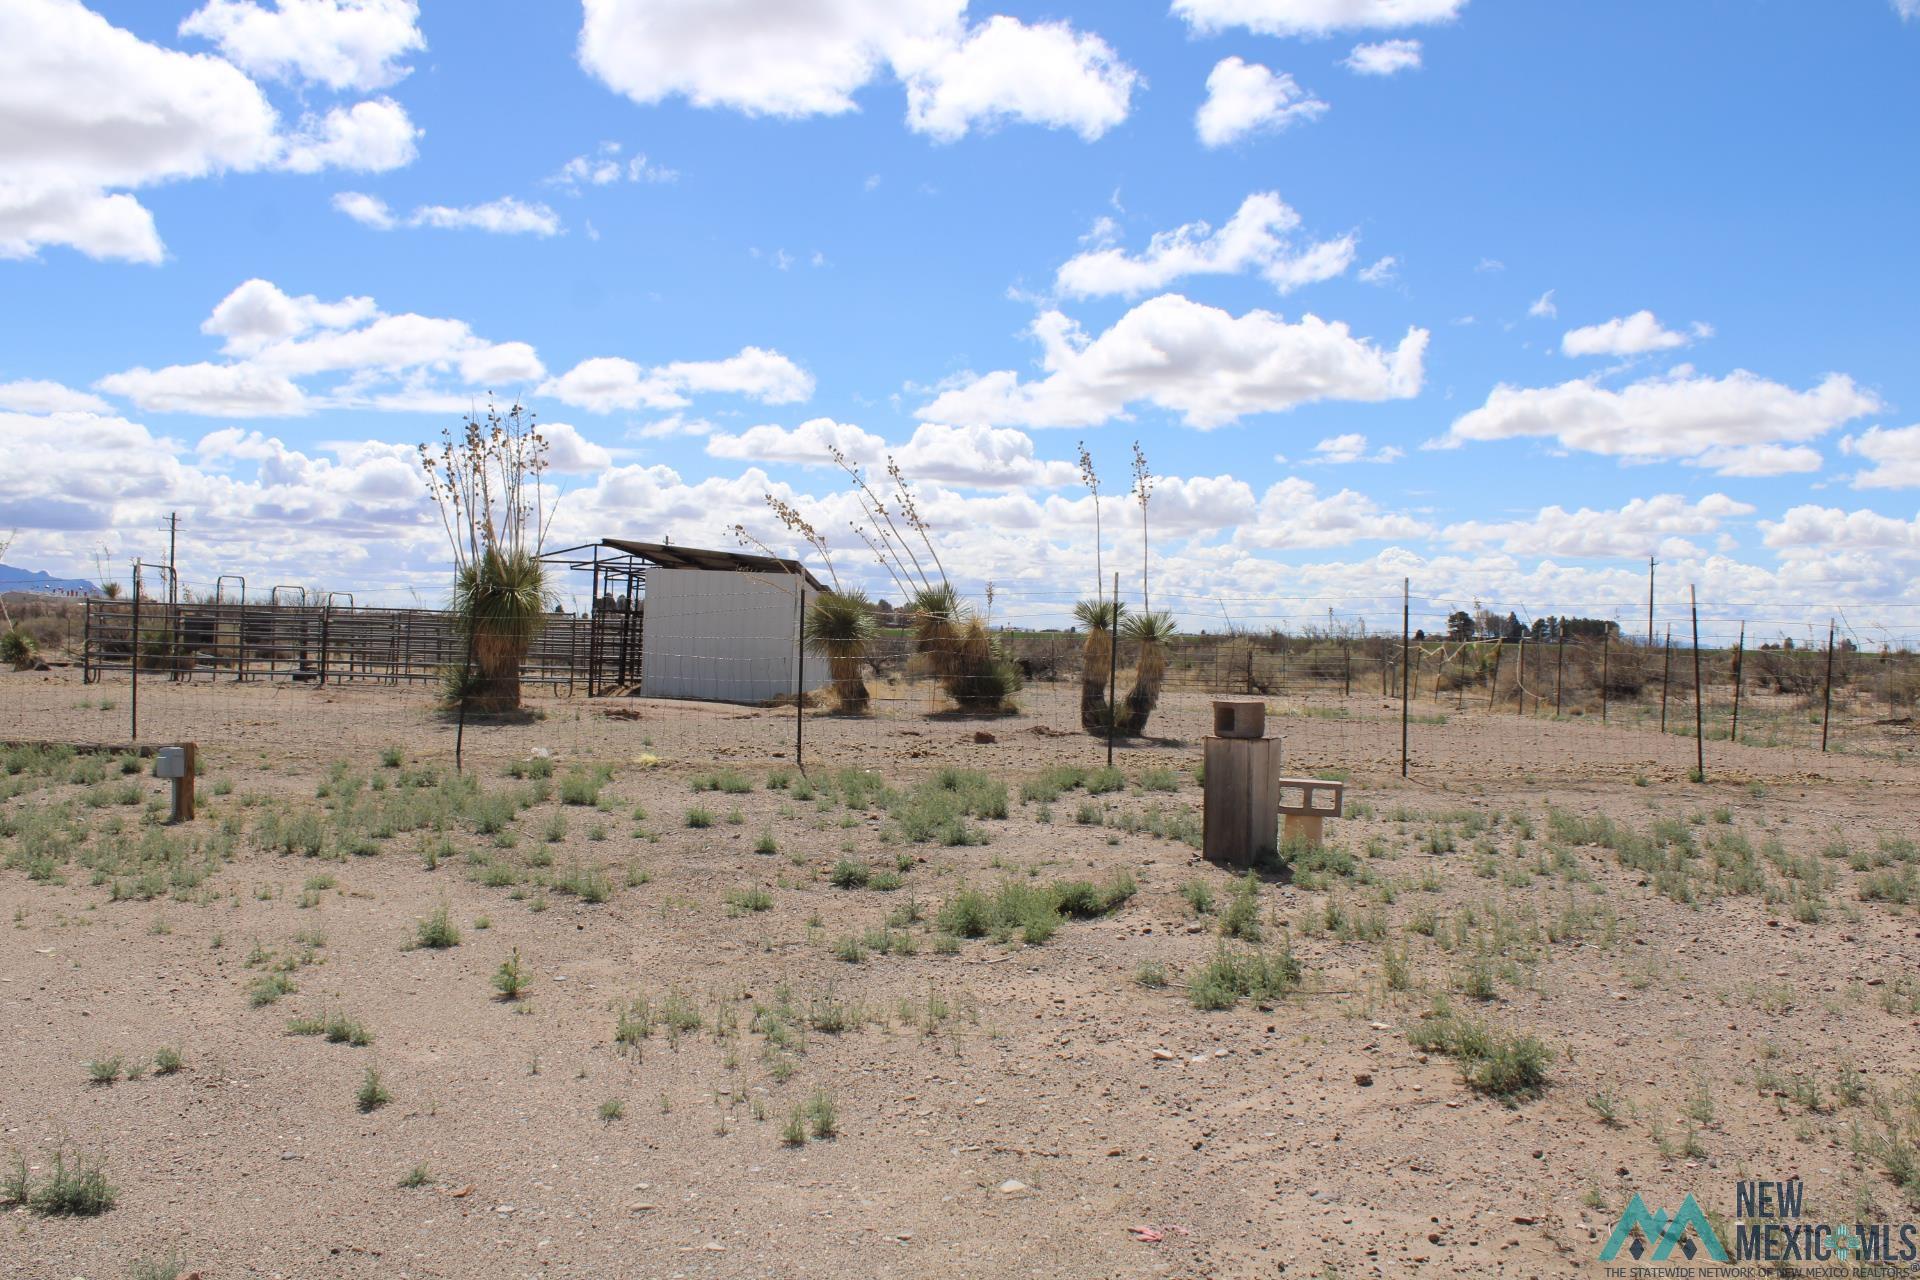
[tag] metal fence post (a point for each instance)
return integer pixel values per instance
(1699, 712)
(1739, 661)
(133, 660)
(1606, 657)
(1406, 668)
(1113, 669)
(1826, 697)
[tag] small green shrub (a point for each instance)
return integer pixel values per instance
(75, 1186)
(1233, 975)
(372, 1094)
(511, 978)
(437, 930)
(1509, 1068)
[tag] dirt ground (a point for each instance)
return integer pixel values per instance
(1725, 978)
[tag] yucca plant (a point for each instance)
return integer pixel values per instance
(840, 625)
(938, 614)
(1096, 661)
(501, 603)
(1151, 632)
(487, 486)
(17, 649)
(955, 646)
(980, 678)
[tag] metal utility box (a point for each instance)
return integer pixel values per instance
(170, 762)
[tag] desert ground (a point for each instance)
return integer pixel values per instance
(633, 995)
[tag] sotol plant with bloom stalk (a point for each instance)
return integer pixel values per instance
(486, 482)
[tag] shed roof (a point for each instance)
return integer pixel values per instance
(668, 556)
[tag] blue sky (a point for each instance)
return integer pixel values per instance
(886, 219)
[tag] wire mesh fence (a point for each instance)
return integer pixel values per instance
(1544, 699)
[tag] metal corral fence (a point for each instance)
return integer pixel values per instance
(335, 643)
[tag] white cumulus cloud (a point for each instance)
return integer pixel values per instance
(1245, 98)
(342, 44)
(1294, 514)
(1894, 453)
(1382, 271)
(90, 112)
(1386, 58)
(1312, 17)
(279, 340)
(809, 445)
(603, 384)
(1741, 424)
(1623, 336)
(792, 60)
(1257, 238)
(1209, 366)
(1004, 70)
(607, 166)
(1641, 527)
(1810, 527)
(505, 216)
(37, 395)
(1348, 447)
(371, 137)
(215, 390)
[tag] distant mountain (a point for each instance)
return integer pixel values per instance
(14, 579)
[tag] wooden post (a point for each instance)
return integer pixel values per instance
(1826, 694)
(1739, 661)
(1699, 712)
(1346, 671)
(1493, 685)
(183, 786)
(178, 764)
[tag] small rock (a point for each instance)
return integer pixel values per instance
(1013, 1187)
(1364, 1079)
(981, 735)
(1165, 1055)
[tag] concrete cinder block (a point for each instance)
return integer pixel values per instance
(1239, 718)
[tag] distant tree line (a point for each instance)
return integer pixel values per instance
(1482, 624)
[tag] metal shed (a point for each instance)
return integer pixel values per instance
(692, 622)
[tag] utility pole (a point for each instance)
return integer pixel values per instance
(1651, 562)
